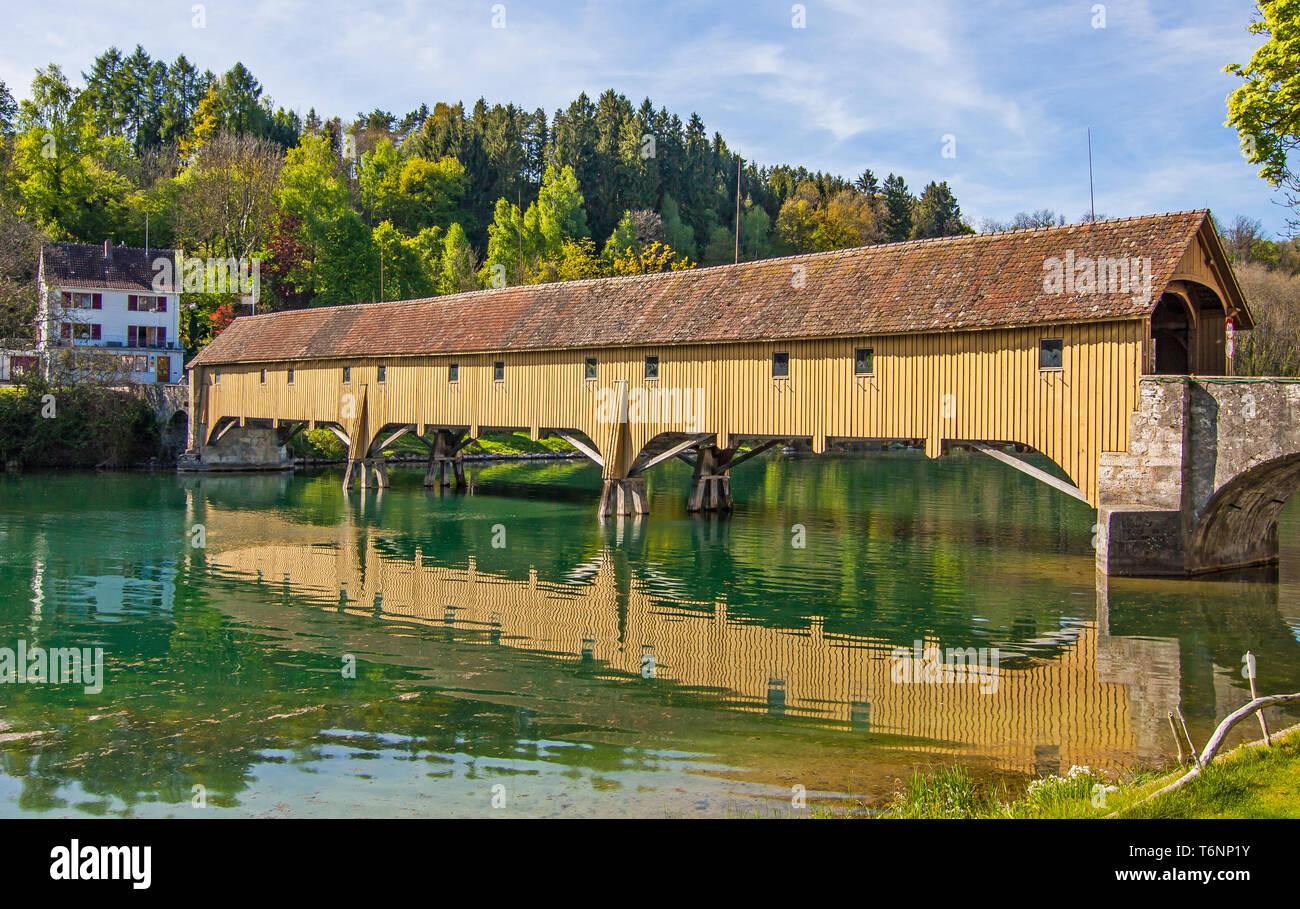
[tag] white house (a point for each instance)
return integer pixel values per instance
(106, 298)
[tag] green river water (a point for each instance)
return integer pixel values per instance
(272, 647)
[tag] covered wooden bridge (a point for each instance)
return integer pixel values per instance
(1036, 338)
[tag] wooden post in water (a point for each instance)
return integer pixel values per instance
(711, 482)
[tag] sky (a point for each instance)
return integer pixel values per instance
(994, 96)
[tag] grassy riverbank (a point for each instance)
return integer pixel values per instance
(1250, 781)
(323, 445)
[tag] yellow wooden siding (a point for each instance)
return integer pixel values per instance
(997, 391)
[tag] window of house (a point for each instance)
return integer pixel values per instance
(216, 376)
(652, 367)
(453, 372)
(780, 366)
(347, 373)
(864, 362)
(289, 376)
(499, 371)
(1051, 353)
(263, 377)
(382, 374)
(590, 372)
(138, 303)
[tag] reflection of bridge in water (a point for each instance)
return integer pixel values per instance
(1097, 700)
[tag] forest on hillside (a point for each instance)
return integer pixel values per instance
(386, 206)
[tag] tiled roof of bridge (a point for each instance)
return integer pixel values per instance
(982, 281)
(85, 265)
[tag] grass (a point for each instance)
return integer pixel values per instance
(1250, 781)
(324, 445)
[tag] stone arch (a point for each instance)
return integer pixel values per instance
(1238, 525)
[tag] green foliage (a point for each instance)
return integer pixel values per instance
(898, 209)
(457, 263)
(322, 445)
(1265, 111)
(92, 425)
(210, 164)
(411, 265)
(937, 214)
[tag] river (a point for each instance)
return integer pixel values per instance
(272, 647)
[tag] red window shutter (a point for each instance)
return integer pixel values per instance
(162, 336)
(132, 303)
(130, 335)
(94, 331)
(162, 304)
(67, 297)
(67, 331)
(96, 301)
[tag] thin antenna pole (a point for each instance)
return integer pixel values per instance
(1092, 198)
(738, 162)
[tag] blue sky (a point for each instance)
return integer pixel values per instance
(870, 83)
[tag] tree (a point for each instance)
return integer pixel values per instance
(677, 233)
(458, 264)
(225, 199)
(412, 192)
(635, 231)
(867, 184)
(653, 258)
(1265, 111)
(898, 209)
(937, 213)
(54, 148)
(408, 270)
(558, 213)
(313, 190)
(8, 110)
(510, 247)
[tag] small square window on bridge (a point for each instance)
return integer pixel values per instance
(347, 373)
(780, 366)
(499, 371)
(383, 374)
(453, 372)
(1051, 353)
(864, 362)
(289, 377)
(652, 367)
(591, 368)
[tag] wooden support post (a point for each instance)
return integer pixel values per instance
(445, 460)
(623, 496)
(711, 482)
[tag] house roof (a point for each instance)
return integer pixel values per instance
(981, 281)
(85, 265)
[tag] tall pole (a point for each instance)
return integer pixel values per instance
(738, 161)
(1092, 199)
